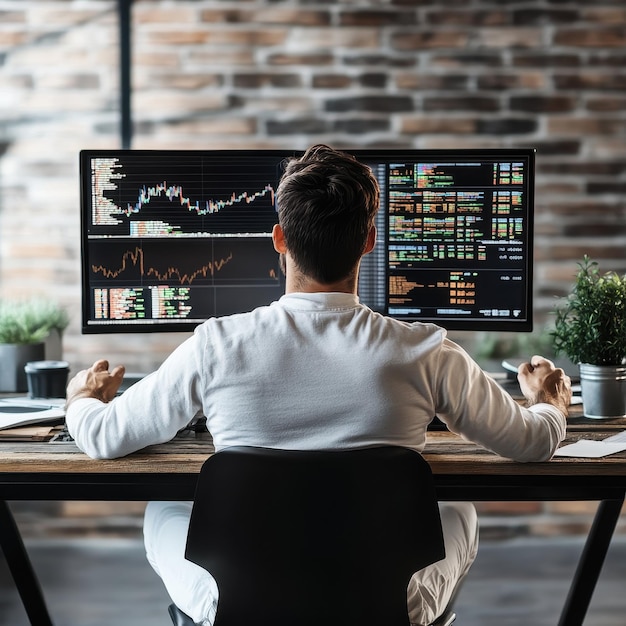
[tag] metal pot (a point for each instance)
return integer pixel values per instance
(603, 389)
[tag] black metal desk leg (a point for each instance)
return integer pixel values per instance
(21, 569)
(591, 562)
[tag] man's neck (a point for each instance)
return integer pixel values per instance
(297, 282)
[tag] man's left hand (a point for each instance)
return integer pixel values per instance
(95, 382)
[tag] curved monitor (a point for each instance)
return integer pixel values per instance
(173, 237)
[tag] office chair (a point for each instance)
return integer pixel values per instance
(314, 538)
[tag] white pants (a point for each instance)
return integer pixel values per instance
(194, 590)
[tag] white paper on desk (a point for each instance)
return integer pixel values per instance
(587, 448)
(10, 419)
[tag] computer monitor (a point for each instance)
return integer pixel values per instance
(171, 238)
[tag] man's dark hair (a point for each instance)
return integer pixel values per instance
(327, 202)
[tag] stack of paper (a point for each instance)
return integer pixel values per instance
(588, 448)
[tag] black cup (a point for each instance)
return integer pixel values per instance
(46, 379)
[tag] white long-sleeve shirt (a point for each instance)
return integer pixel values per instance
(316, 371)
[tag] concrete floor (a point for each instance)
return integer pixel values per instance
(107, 582)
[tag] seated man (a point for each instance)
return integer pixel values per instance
(317, 370)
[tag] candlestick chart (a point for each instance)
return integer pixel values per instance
(181, 198)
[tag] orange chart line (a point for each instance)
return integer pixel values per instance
(136, 259)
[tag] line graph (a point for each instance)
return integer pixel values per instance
(176, 192)
(135, 259)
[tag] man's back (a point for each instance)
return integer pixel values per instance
(318, 371)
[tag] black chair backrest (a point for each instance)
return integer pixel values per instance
(316, 538)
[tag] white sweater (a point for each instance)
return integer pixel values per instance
(316, 371)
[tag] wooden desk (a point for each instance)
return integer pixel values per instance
(59, 471)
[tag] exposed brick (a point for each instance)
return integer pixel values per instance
(584, 168)
(215, 126)
(334, 38)
(607, 59)
(288, 15)
(547, 147)
(467, 58)
(610, 186)
(371, 103)
(525, 80)
(257, 80)
(155, 59)
(591, 80)
(170, 103)
(177, 37)
(542, 104)
(596, 249)
(423, 81)
(297, 126)
(429, 40)
(506, 126)
(431, 124)
(379, 60)
(586, 125)
(331, 81)
(143, 14)
(609, 37)
(447, 17)
(222, 57)
(461, 103)
(605, 15)
(256, 37)
(362, 125)
(508, 37)
(367, 17)
(181, 80)
(373, 80)
(224, 16)
(597, 229)
(314, 60)
(607, 104)
(546, 59)
(524, 17)
(267, 15)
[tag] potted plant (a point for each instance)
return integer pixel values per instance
(590, 329)
(24, 327)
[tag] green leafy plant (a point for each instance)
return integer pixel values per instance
(590, 322)
(30, 321)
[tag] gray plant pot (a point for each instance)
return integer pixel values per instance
(13, 358)
(603, 389)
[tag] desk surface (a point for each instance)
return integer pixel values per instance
(58, 470)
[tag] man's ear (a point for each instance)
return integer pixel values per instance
(371, 240)
(278, 239)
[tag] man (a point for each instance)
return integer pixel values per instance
(317, 370)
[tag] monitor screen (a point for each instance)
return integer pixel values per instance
(173, 237)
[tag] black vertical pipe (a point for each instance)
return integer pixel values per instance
(126, 122)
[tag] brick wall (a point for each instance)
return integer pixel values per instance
(262, 73)
(550, 74)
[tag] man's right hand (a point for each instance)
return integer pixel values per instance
(541, 381)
